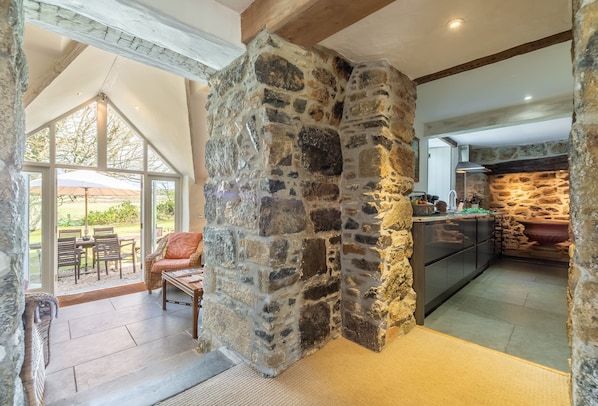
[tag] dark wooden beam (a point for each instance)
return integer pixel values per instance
(450, 141)
(304, 22)
(501, 56)
(554, 163)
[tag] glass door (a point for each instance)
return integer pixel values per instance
(37, 260)
(164, 202)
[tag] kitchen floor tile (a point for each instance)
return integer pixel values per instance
(529, 298)
(467, 326)
(545, 349)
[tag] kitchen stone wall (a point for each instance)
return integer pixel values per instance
(583, 164)
(13, 82)
(524, 196)
(488, 156)
(310, 165)
(378, 301)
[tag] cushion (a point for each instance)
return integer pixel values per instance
(182, 245)
(165, 264)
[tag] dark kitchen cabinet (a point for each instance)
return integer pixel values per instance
(447, 254)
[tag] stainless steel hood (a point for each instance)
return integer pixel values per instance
(464, 165)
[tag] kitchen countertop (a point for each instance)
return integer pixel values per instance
(437, 217)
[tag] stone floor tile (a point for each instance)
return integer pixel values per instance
(107, 368)
(549, 298)
(109, 320)
(83, 349)
(60, 384)
(546, 349)
(84, 310)
(60, 332)
(163, 325)
(467, 326)
(136, 299)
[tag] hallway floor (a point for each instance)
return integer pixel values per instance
(516, 307)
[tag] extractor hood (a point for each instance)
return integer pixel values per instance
(464, 165)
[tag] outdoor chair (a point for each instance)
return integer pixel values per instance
(40, 309)
(126, 244)
(107, 249)
(70, 232)
(175, 251)
(69, 255)
(103, 230)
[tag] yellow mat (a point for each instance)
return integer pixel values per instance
(422, 368)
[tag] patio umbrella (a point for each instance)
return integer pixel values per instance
(90, 183)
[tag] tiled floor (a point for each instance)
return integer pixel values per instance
(515, 307)
(95, 342)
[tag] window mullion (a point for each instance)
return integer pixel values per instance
(102, 120)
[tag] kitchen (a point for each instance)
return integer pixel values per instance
(519, 304)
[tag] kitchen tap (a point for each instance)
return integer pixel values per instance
(452, 203)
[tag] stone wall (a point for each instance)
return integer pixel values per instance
(583, 162)
(525, 196)
(273, 233)
(487, 156)
(282, 133)
(377, 132)
(13, 78)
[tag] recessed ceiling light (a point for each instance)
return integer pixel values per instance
(137, 108)
(527, 98)
(455, 23)
(79, 93)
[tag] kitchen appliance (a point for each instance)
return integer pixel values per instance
(464, 165)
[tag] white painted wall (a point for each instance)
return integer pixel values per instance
(439, 172)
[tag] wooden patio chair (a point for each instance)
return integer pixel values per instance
(69, 232)
(106, 249)
(103, 230)
(69, 255)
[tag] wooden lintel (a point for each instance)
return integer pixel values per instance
(501, 56)
(304, 22)
(70, 53)
(554, 163)
(520, 114)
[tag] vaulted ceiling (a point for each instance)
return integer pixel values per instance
(152, 59)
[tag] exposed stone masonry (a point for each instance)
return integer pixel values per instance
(486, 156)
(583, 164)
(13, 82)
(525, 196)
(378, 301)
(273, 233)
(283, 133)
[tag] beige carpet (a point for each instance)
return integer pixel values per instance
(423, 368)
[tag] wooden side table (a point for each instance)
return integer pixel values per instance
(189, 281)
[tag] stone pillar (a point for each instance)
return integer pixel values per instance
(13, 78)
(377, 134)
(583, 161)
(272, 238)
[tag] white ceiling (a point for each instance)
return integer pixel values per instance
(412, 35)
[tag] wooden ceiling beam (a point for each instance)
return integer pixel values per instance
(304, 22)
(500, 56)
